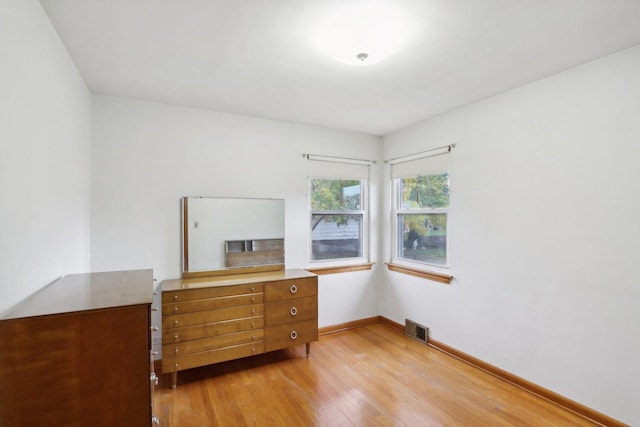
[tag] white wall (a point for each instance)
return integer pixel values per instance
(44, 160)
(147, 156)
(545, 234)
(544, 223)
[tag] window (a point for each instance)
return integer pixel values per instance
(421, 208)
(338, 220)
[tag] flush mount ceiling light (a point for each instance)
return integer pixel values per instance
(363, 32)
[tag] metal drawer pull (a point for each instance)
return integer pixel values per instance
(155, 420)
(253, 337)
(176, 350)
(293, 289)
(175, 297)
(293, 335)
(253, 312)
(253, 289)
(175, 337)
(154, 329)
(175, 309)
(154, 378)
(175, 323)
(293, 311)
(253, 300)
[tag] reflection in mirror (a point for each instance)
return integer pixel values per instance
(221, 233)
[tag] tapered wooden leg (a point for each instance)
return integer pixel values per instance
(174, 379)
(308, 348)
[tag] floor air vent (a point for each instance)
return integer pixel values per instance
(416, 331)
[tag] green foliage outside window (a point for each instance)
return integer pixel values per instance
(335, 195)
(423, 233)
(430, 191)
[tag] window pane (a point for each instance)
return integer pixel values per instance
(335, 195)
(335, 236)
(424, 238)
(430, 191)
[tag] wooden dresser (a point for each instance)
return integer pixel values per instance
(213, 319)
(77, 353)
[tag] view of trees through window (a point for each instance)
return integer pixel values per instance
(336, 219)
(422, 209)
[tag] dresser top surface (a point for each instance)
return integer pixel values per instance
(88, 291)
(234, 279)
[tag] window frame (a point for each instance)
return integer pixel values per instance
(363, 212)
(396, 238)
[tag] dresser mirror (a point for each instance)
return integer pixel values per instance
(223, 235)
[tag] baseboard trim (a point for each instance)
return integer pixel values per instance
(390, 323)
(553, 397)
(348, 325)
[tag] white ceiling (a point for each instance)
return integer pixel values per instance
(259, 58)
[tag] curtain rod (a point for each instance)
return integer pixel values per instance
(332, 159)
(423, 154)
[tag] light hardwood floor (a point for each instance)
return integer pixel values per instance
(368, 376)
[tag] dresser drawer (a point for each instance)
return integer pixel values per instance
(212, 292)
(173, 364)
(212, 343)
(211, 303)
(290, 310)
(201, 317)
(282, 336)
(211, 329)
(294, 288)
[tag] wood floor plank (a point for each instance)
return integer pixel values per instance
(368, 376)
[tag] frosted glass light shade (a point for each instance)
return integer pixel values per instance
(371, 27)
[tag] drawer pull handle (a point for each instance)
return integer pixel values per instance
(154, 378)
(175, 338)
(253, 324)
(253, 300)
(154, 329)
(253, 337)
(176, 350)
(253, 289)
(293, 289)
(293, 311)
(253, 350)
(175, 297)
(175, 323)
(155, 308)
(175, 309)
(154, 353)
(293, 335)
(253, 312)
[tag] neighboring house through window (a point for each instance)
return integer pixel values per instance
(338, 220)
(338, 215)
